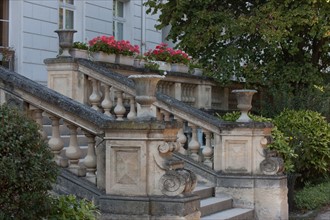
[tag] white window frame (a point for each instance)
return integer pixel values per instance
(65, 6)
(119, 20)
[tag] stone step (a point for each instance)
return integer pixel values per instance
(231, 214)
(204, 191)
(212, 205)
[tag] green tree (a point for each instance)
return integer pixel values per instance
(27, 169)
(281, 45)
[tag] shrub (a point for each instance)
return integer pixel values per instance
(26, 167)
(280, 143)
(313, 197)
(309, 137)
(69, 207)
(80, 45)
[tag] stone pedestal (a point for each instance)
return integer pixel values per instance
(142, 180)
(240, 150)
(64, 77)
(150, 207)
(267, 195)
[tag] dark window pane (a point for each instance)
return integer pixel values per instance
(4, 10)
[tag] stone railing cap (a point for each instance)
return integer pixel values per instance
(14, 80)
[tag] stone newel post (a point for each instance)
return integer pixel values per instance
(142, 179)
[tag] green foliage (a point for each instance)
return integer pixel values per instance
(309, 135)
(280, 45)
(151, 66)
(80, 45)
(315, 98)
(70, 208)
(27, 170)
(280, 143)
(276, 40)
(313, 196)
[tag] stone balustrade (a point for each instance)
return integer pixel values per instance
(210, 141)
(129, 145)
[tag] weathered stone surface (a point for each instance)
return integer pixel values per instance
(15, 83)
(267, 195)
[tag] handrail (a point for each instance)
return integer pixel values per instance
(53, 102)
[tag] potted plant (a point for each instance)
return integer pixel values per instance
(169, 58)
(103, 48)
(126, 52)
(79, 50)
(196, 68)
(139, 61)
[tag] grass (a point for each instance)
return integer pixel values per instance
(313, 197)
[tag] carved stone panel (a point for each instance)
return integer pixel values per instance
(237, 156)
(125, 167)
(60, 83)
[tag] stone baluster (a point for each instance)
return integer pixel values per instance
(166, 115)
(120, 108)
(107, 103)
(159, 115)
(132, 112)
(73, 152)
(182, 139)
(167, 88)
(56, 143)
(207, 151)
(95, 97)
(90, 159)
(194, 145)
(38, 118)
(184, 93)
(160, 88)
(191, 93)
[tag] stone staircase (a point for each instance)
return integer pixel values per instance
(211, 207)
(219, 208)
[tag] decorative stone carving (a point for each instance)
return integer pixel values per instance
(167, 147)
(272, 165)
(176, 182)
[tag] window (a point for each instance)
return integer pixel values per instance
(118, 19)
(66, 14)
(4, 23)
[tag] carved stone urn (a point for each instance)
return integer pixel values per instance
(145, 86)
(65, 37)
(244, 100)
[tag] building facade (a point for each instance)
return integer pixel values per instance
(27, 28)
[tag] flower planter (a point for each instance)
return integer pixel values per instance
(104, 57)
(163, 65)
(139, 63)
(244, 100)
(197, 72)
(79, 53)
(179, 67)
(125, 60)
